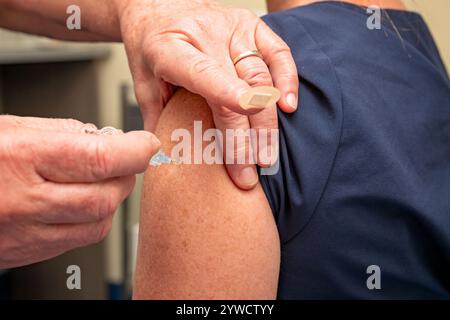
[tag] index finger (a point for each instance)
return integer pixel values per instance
(82, 158)
(278, 57)
(203, 75)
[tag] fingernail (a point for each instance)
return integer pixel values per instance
(248, 177)
(292, 100)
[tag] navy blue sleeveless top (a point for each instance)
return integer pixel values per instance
(364, 176)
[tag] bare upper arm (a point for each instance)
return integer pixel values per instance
(200, 236)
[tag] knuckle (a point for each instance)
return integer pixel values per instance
(100, 159)
(149, 51)
(88, 205)
(159, 67)
(53, 237)
(201, 66)
(66, 208)
(242, 151)
(83, 239)
(201, 69)
(106, 207)
(72, 125)
(101, 231)
(226, 118)
(18, 146)
(257, 76)
(111, 205)
(230, 90)
(245, 13)
(280, 47)
(153, 50)
(265, 122)
(289, 77)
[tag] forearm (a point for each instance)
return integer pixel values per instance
(99, 18)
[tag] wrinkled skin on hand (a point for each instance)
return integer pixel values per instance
(191, 44)
(60, 187)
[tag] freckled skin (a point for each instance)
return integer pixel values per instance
(201, 237)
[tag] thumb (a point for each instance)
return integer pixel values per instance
(83, 158)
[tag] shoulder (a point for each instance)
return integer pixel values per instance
(200, 236)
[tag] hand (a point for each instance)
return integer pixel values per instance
(60, 187)
(191, 43)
